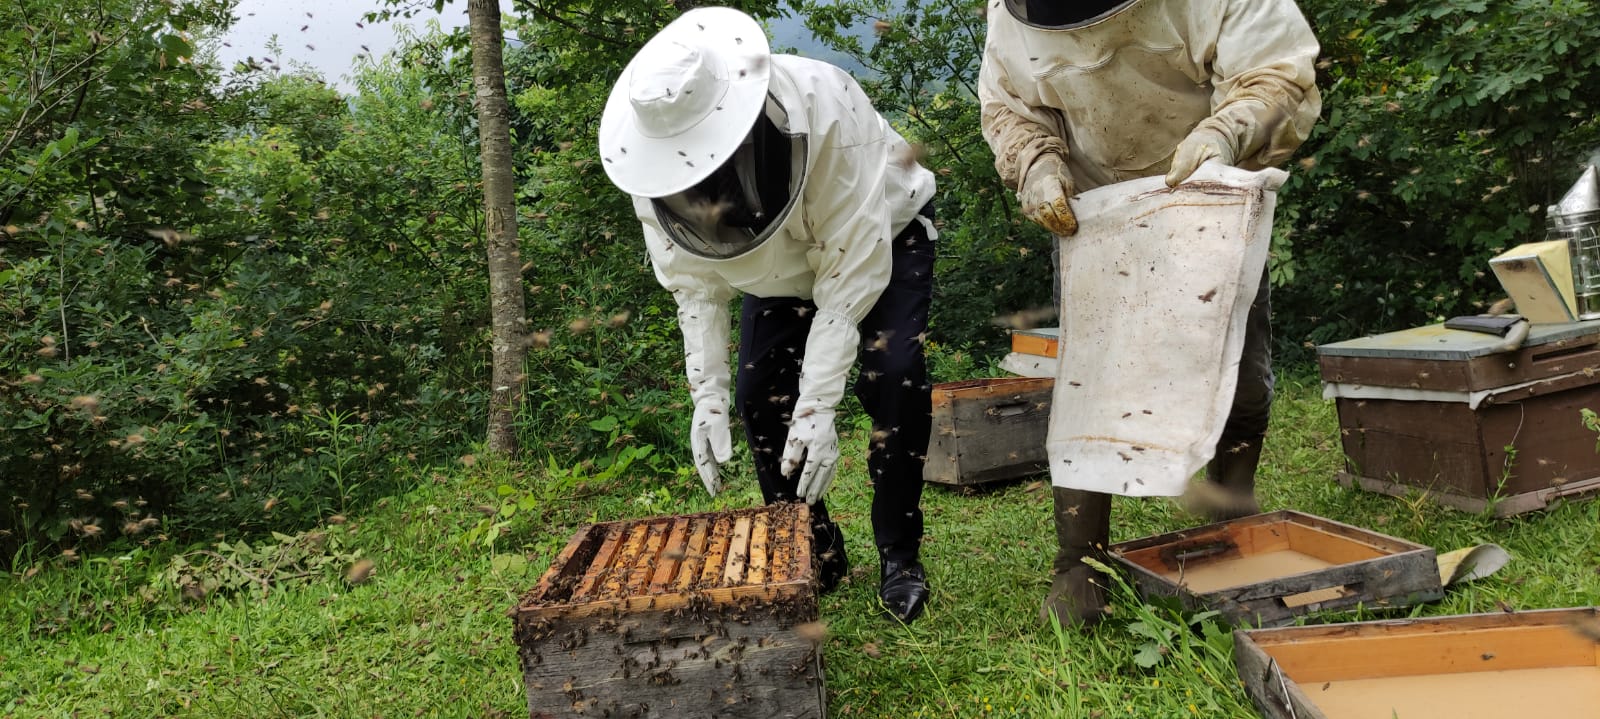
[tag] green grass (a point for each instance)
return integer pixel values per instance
(426, 635)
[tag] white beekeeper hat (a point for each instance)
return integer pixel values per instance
(685, 102)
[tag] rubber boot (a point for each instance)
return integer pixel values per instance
(1233, 472)
(1083, 528)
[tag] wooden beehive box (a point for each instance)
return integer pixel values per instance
(1435, 410)
(1268, 569)
(1481, 666)
(703, 615)
(986, 430)
(1033, 352)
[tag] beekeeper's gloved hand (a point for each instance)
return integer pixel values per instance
(711, 441)
(812, 440)
(1204, 143)
(1044, 194)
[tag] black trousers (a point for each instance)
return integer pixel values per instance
(892, 384)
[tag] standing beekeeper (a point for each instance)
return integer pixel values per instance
(773, 176)
(1081, 94)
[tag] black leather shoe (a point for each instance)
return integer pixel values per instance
(903, 589)
(827, 551)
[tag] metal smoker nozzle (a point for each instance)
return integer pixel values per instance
(1583, 197)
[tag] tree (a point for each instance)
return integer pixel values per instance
(507, 311)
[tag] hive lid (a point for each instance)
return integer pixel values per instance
(1436, 342)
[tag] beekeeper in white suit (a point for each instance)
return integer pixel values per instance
(1081, 94)
(773, 176)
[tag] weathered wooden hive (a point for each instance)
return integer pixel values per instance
(985, 430)
(1440, 413)
(708, 615)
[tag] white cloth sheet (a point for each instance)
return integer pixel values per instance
(1156, 286)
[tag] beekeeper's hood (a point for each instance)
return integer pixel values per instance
(685, 102)
(1065, 14)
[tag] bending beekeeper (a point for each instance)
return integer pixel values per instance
(1077, 95)
(773, 176)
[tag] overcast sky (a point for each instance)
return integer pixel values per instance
(323, 34)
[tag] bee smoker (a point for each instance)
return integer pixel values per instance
(1576, 221)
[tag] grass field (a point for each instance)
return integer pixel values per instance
(302, 629)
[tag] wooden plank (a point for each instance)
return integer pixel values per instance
(1273, 693)
(738, 552)
(781, 538)
(616, 576)
(1251, 535)
(757, 573)
(1401, 489)
(694, 553)
(716, 553)
(1550, 444)
(1433, 374)
(673, 553)
(802, 547)
(1429, 444)
(1385, 544)
(602, 560)
(1329, 547)
(558, 580)
(616, 606)
(644, 565)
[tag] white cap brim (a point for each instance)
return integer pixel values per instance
(661, 166)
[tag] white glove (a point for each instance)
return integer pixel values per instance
(1044, 194)
(711, 441)
(1204, 143)
(813, 439)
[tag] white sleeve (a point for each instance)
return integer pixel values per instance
(1264, 75)
(1017, 132)
(849, 221)
(703, 317)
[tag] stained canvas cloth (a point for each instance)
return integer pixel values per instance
(1156, 286)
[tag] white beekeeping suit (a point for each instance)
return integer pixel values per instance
(773, 177)
(1081, 94)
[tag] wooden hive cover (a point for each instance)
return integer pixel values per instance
(760, 555)
(1435, 357)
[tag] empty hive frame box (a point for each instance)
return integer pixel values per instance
(705, 615)
(1543, 663)
(1268, 569)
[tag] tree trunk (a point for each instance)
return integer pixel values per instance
(508, 314)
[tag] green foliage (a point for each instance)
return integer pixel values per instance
(241, 567)
(558, 483)
(191, 288)
(1448, 127)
